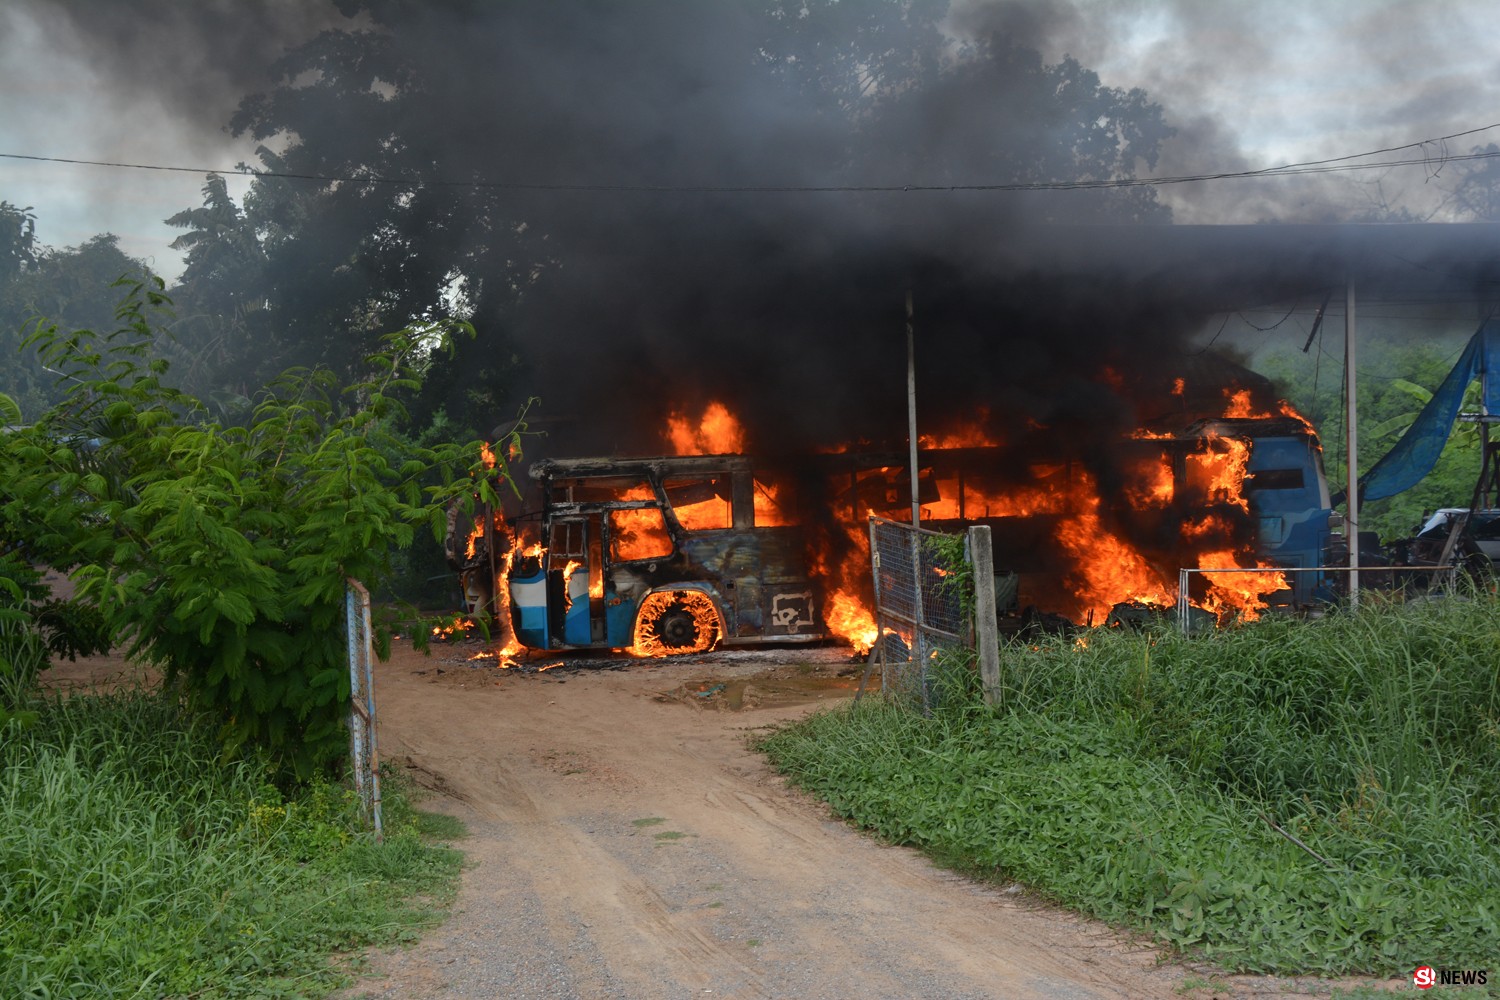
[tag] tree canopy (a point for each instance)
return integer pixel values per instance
(1388, 403)
(17, 240)
(72, 286)
(498, 163)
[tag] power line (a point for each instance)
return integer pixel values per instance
(1340, 164)
(1268, 329)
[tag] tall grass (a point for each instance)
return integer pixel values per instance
(1286, 796)
(135, 862)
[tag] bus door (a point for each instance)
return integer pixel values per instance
(575, 581)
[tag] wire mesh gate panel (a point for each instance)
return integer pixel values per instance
(362, 756)
(919, 607)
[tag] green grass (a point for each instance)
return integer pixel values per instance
(1139, 779)
(440, 826)
(135, 862)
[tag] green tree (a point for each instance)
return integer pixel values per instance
(345, 260)
(221, 297)
(1477, 193)
(75, 286)
(71, 286)
(436, 129)
(1011, 118)
(18, 256)
(17, 240)
(221, 553)
(1388, 403)
(847, 60)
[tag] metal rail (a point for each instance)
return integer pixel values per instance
(365, 761)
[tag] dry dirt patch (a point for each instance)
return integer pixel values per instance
(626, 842)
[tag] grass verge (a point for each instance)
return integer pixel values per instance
(135, 862)
(1282, 797)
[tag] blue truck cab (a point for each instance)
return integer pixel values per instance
(1289, 500)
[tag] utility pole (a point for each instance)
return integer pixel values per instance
(1351, 529)
(911, 411)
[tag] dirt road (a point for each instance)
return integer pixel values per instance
(625, 842)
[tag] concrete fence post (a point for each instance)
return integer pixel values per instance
(986, 624)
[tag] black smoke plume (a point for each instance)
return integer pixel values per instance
(620, 188)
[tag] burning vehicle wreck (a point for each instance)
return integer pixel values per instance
(682, 553)
(660, 555)
(671, 554)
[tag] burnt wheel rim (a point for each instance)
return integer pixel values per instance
(676, 628)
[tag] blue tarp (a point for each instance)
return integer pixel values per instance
(1418, 450)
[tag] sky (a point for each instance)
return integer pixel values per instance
(1248, 85)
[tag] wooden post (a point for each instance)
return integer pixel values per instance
(986, 624)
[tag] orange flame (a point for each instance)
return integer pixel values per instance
(571, 568)
(1238, 594)
(1153, 484)
(1239, 404)
(848, 618)
(717, 432)
(967, 434)
(1288, 410)
(639, 533)
(1219, 469)
(1107, 569)
(472, 544)
(1240, 407)
(459, 627)
(501, 562)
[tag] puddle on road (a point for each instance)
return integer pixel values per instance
(738, 694)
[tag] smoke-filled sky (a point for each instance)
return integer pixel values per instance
(1248, 85)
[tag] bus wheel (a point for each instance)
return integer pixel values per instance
(677, 628)
(676, 621)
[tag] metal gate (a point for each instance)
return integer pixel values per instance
(919, 606)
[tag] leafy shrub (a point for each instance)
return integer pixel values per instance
(221, 553)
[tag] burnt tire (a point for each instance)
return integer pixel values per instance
(673, 622)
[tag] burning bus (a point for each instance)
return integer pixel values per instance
(681, 553)
(662, 555)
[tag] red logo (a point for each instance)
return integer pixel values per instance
(1424, 977)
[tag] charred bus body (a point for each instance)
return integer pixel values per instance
(682, 553)
(663, 554)
(1259, 480)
